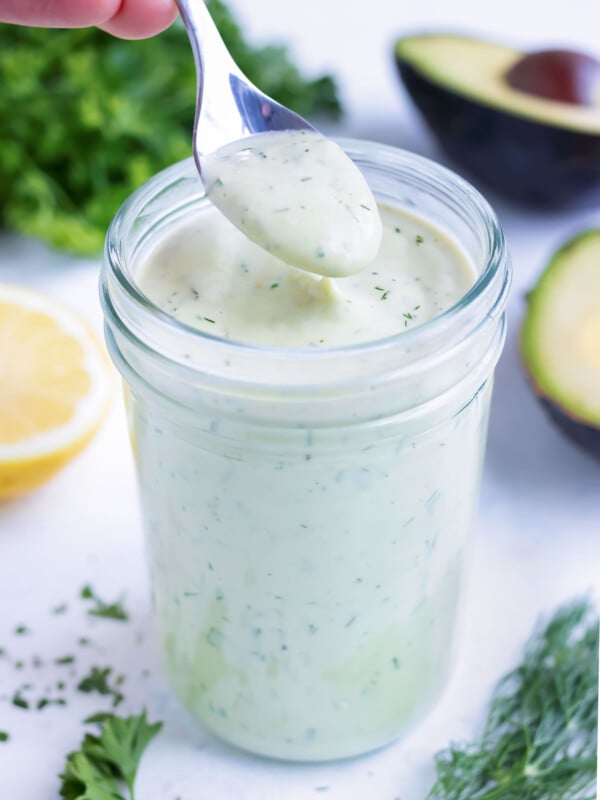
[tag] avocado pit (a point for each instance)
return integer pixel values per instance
(524, 125)
(566, 76)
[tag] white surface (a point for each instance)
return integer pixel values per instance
(537, 533)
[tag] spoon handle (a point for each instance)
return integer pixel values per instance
(216, 110)
(228, 105)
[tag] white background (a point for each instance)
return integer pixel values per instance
(538, 541)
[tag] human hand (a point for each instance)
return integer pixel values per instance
(129, 19)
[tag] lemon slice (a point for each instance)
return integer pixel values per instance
(55, 386)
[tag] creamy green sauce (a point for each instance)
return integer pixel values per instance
(298, 196)
(208, 275)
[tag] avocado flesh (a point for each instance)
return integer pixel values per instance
(560, 338)
(475, 69)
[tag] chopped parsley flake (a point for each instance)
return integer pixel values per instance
(46, 701)
(97, 681)
(4, 736)
(19, 701)
(64, 660)
(419, 239)
(274, 285)
(105, 610)
(21, 630)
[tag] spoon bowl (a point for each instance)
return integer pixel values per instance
(228, 107)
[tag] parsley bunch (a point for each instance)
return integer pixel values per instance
(540, 741)
(106, 763)
(86, 118)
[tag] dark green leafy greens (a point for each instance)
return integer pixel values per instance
(86, 118)
(107, 763)
(540, 741)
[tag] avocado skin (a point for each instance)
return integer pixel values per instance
(586, 436)
(536, 164)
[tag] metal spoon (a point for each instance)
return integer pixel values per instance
(228, 106)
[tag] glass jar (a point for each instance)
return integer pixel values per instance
(308, 512)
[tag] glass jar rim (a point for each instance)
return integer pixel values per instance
(488, 293)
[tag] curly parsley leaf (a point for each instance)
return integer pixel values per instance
(85, 118)
(108, 762)
(540, 741)
(86, 779)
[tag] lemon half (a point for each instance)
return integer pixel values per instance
(55, 387)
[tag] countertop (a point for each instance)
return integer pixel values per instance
(537, 542)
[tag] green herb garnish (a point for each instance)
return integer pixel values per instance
(108, 762)
(101, 609)
(98, 681)
(63, 660)
(4, 736)
(419, 239)
(540, 740)
(19, 701)
(85, 118)
(47, 701)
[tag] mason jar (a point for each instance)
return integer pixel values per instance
(308, 512)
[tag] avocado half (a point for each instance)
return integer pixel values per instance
(536, 150)
(560, 339)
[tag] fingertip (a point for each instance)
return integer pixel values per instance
(139, 19)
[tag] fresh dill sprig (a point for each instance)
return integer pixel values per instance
(540, 741)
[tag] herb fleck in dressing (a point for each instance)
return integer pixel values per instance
(298, 196)
(210, 276)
